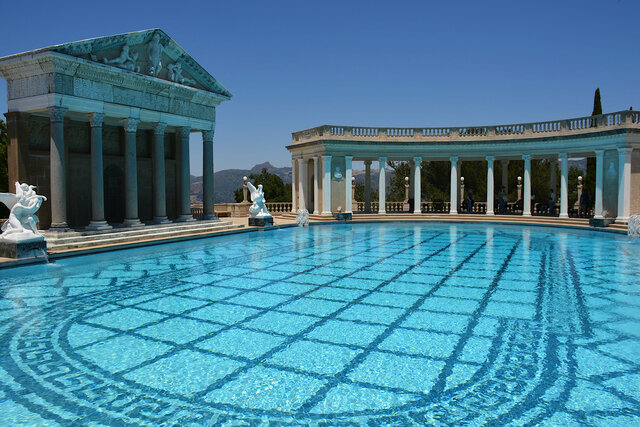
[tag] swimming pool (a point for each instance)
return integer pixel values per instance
(331, 325)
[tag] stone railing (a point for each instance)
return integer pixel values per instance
(580, 125)
(276, 207)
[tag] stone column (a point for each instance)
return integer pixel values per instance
(326, 185)
(130, 173)
(505, 175)
(302, 180)
(624, 184)
(316, 203)
(97, 174)
(526, 198)
(553, 171)
(58, 182)
(453, 193)
(184, 175)
(417, 163)
(599, 184)
(208, 212)
(159, 179)
(490, 189)
(348, 164)
(367, 186)
(564, 185)
(382, 186)
(294, 187)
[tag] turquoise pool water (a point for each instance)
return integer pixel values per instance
(396, 324)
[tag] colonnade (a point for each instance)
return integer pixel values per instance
(322, 181)
(58, 200)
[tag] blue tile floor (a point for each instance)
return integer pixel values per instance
(396, 324)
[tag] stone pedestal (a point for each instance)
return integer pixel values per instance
(23, 249)
(601, 222)
(261, 221)
(343, 216)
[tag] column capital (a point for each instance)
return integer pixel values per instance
(184, 131)
(453, 159)
(326, 156)
(490, 158)
(417, 160)
(207, 135)
(624, 150)
(315, 158)
(382, 159)
(368, 162)
(130, 124)
(56, 114)
(599, 153)
(526, 157)
(95, 119)
(159, 128)
(562, 155)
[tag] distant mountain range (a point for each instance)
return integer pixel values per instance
(228, 180)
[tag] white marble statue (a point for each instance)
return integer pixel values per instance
(154, 52)
(21, 225)
(126, 60)
(633, 227)
(175, 74)
(303, 218)
(258, 209)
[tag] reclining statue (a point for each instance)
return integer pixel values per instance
(22, 219)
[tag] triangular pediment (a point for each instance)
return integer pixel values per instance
(149, 52)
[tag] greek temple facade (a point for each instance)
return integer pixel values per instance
(102, 128)
(322, 159)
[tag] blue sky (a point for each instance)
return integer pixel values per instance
(293, 65)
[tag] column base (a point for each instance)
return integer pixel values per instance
(622, 220)
(185, 218)
(60, 227)
(526, 213)
(417, 212)
(453, 212)
(326, 213)
(382, 212)
(161, 220)
(490, 213)
(316, 212)
(98, 225)
(210, 217)
(563, 216)
(134, 222)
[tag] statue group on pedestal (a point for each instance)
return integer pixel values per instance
(128, 61)
(259, 208)
(22, 222)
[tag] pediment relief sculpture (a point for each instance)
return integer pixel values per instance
(126, 60)
(154, 52)
(175, 74)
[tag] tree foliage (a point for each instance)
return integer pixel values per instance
(275, 190)
(597, 104)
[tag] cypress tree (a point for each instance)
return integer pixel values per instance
(597, 105)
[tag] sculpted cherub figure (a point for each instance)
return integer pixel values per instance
(23, 205)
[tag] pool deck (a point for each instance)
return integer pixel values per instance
(289, 219)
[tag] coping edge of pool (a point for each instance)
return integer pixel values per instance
(176, 239)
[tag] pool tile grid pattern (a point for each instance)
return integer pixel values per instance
(471, 354)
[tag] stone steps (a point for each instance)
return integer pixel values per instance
(81, 239)
(515, 219)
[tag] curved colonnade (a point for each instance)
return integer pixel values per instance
(322, 159)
